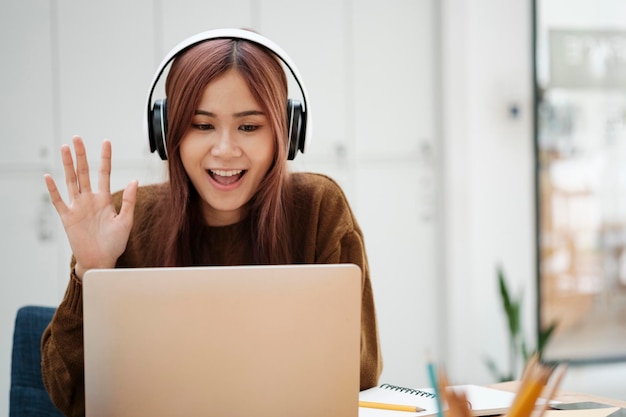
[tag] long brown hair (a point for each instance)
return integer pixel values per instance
(189, 75)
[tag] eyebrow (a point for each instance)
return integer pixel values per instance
(240, 114)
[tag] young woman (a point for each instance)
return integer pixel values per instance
(229, 200)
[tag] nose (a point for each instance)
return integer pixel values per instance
(226, 145)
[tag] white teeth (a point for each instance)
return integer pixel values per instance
(226, 173)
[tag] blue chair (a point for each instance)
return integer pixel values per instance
(28, 396)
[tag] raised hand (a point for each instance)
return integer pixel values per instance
(97, 233)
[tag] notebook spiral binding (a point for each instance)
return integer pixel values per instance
(408, 390)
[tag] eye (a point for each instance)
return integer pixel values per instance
(202, 126)
(248, 127)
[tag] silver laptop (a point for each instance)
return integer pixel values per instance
(253, 341)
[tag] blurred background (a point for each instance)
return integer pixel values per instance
(425, 111)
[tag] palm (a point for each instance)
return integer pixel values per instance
(96, 232)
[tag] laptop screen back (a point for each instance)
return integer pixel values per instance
(222, 341)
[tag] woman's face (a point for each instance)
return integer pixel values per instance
(228, 149)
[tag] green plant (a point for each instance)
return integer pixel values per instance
(518, 348)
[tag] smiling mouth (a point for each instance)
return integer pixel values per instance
(226, 176)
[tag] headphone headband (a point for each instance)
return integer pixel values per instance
(231, 33)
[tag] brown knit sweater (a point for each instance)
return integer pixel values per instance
(324, 230)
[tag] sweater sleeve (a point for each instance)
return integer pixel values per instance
(340, 240)
(62, 354)
(352, 250)
(62, 350)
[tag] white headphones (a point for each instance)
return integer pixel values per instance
(298, 114)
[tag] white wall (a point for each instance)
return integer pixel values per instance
(487, 174)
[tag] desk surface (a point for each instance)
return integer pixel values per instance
(565, 396)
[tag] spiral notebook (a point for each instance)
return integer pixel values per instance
(484, 401)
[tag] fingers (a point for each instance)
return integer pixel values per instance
(55, 196)
(129, 198)
(76, 179)
(104, 177)
(82, 167)
(70, 174)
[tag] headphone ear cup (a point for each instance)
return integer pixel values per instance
(158, 128)
(296, 131)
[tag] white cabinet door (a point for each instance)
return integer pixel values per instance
(183, 18)
(313, 34)
(394, 77)
(106, 54)
(400, 235)
(27, 110)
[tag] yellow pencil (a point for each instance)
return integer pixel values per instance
(532, 385)
(553, 388)
(526, 402)
(395, 407)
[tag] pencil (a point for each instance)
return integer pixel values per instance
(533, 383)
(532, 363)
(395, 407)
(527, 399)
(559, 373)
(432, 374)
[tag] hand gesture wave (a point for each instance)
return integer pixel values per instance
(97, 233)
